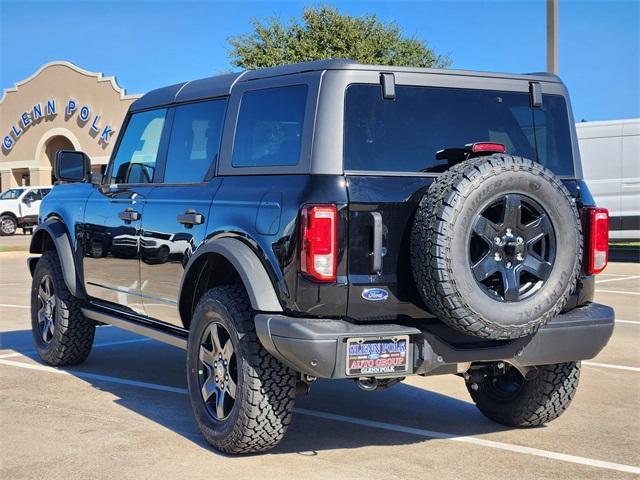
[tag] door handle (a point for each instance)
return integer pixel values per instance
(190, 218)
(376, 255)
(129, 215)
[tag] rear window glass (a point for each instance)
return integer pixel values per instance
(404, 135)
(269, 129)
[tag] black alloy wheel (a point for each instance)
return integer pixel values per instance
(512, 248)
(217, 371)
(46, 309)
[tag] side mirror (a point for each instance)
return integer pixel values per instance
(72, 166)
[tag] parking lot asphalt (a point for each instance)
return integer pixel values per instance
(20, 241)
(124, 413)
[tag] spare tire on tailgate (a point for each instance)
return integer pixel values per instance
(496, 246)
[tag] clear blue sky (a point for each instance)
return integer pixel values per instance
(147, 44)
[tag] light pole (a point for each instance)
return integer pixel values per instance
(552, 36)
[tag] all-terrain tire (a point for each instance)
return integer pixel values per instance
(265, 388)
(440, 234)
(8, 224)
(538, 401)
(73, 333)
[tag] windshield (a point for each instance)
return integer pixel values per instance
(11, 194)
(404, 135)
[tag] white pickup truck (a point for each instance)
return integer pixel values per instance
(19, 207)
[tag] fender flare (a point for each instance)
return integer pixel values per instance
(59, 235)
(252, 272)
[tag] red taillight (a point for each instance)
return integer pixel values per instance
(319, 242)
(488, 147)
(598, 247)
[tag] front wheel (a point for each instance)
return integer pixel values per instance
(512, 400)
(8, 225)
(61, 333)
(242, 397)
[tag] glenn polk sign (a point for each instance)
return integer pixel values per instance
(49, 109)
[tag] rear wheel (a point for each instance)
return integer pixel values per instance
(242, 397)
(61, 333)
(496, 247)
(8, 225)
(512, 400)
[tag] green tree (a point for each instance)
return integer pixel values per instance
(322, 33)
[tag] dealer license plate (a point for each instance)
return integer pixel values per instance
(377, 356)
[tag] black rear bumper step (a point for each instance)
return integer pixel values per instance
(317, 347)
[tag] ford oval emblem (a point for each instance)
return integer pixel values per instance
(375, 294)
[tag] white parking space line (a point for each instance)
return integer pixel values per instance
(359, 421)
(632, 322)
(618, 279)
(615, 367)
(94, 376)
(96, 345)
(474, 441)
(621, 292)
(7, 305)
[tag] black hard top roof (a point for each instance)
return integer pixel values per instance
(222, 84)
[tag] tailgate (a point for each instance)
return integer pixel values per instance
(389, 292)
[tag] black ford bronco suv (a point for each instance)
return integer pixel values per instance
(334, 220)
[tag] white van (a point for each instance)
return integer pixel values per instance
(610, 153)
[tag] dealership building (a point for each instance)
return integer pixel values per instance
(59, 107)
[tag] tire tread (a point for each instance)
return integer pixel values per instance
(430, 252)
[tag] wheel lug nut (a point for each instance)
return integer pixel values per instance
(520, 240)
(497, 257)
(215, 364)
(509, 231)
(226, 377)
(216, 379)
(520, 257)
(508, 264)
(497, 240)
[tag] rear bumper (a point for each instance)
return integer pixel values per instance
(317, 347)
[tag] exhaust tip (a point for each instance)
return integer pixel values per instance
(368, 384)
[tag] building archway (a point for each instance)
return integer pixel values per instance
(50, 143)
(51, 148)
(59, 142)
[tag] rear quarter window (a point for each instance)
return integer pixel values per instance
(270, 126)
(404, 135)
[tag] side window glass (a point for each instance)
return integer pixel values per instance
(33, 196)
(195, 141)
(135, 161)
(269, 128)
(45, 192)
